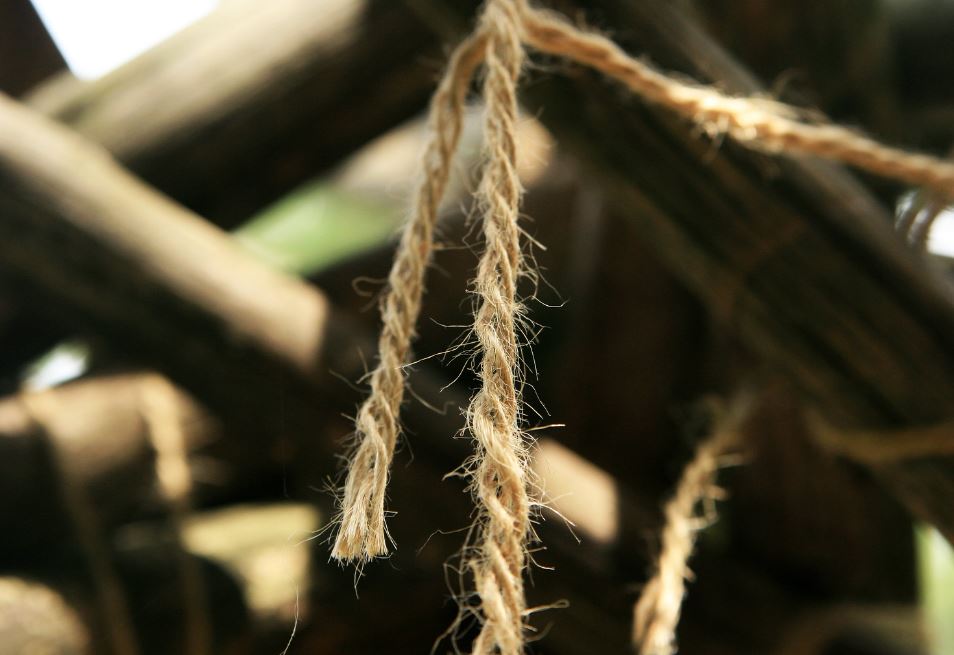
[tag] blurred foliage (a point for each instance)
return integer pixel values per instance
(936, 577)
(316, 226)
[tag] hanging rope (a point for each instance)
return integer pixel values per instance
(499, 471)
(500, 479)
(362, 533)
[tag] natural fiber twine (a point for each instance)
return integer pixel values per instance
(656, 613)
(501, 482)
(499, 470)
(361, 532)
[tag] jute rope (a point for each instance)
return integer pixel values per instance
(159, 411)
(501, 483)
(362, 533)
(499, 468)
(756, 122)
(656, 613)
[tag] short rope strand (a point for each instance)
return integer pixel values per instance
(362, 533)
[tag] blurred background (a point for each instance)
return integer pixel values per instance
(185, 322)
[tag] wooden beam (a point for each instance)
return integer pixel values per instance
(226, 121)
(258, 97)
(27, 53)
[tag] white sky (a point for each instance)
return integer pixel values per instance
(96, 36)
(941, 241)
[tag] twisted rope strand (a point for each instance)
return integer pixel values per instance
(656, 613)
(499, 469)
(362, 533)
(756, 122)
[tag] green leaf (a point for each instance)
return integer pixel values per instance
(315, 227)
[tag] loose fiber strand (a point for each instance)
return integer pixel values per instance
(362, 533)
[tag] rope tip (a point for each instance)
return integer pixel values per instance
(357, 546)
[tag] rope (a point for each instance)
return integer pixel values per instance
(656, 613)
(498, 470)
(362, 533)
(500, 480)
(756, 122)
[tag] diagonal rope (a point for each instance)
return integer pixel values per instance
(756, 122)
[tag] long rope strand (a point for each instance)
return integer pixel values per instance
(499, 468)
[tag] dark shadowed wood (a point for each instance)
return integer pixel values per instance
(177, 286)
(236, 110)
(27, 53)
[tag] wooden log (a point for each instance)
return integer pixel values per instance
(255, 99)
(96, 428)
(76, 224)
(39, 619)
(53, 606)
